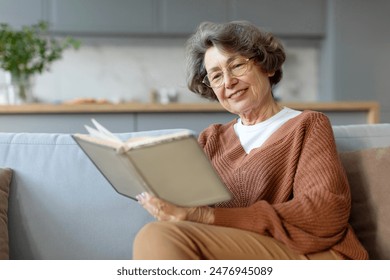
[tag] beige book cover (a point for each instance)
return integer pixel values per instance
(172, 167)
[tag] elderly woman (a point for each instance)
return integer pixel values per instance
(291, 198)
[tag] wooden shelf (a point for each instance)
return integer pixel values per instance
(371, 108)
(43, 108)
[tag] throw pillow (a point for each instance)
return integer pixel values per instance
(5, 180)
(368, 173)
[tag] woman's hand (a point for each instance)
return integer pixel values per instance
(165, 211)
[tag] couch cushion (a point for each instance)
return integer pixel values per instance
(5, 180)
(368, 173)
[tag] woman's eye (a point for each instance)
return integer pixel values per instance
(216, 76)
(238, 65)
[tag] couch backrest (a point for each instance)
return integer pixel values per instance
(365, 154)
(361, 136)
(60, 206)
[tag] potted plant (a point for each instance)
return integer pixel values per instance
(28, 51)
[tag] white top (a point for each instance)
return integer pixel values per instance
(253, 136)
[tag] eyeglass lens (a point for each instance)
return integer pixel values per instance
(236, 68)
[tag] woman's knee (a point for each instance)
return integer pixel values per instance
(149, 236)
(146, 232)
(162, 240)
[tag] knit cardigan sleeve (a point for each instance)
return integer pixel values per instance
(315, 218)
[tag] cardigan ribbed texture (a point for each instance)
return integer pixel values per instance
(292, 188)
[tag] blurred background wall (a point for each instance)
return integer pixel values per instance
(337, 49)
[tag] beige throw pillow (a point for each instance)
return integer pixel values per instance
(5, 180)
(368, 173)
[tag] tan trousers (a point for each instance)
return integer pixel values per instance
(194, 241)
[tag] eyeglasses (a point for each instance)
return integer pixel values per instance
(237, 68)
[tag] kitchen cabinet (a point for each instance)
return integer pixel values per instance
(283, 17)
(64, 123)
(196, 121)
(179, 17)
(183, 16)
(165, 17)
(104, 17)
(22, 12)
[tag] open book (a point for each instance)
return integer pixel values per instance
(172, 166)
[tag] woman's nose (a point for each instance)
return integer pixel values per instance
(229, 80)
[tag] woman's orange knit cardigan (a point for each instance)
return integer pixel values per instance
(292, 188)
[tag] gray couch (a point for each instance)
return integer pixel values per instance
(61, 207)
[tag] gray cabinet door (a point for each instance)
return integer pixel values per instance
(103, 16)
(194, 121)
(183, 16)
(65, 123)
(283, 17)
(22, 12)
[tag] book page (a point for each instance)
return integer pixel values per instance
(101, 132)
(135, 143)
(100, 141)
(104, 130)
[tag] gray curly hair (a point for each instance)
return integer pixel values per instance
(239, 37)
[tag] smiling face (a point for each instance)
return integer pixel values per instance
(249, 95)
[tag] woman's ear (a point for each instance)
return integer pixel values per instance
(271, 74)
